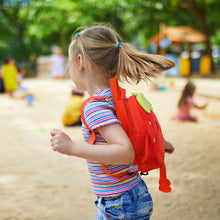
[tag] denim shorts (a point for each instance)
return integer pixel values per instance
(134, 204)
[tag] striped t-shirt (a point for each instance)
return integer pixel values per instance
(99, 113)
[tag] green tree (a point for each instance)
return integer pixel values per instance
(16, 16)
(33, 26)
(206, 15)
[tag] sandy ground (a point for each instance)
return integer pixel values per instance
(37, 183)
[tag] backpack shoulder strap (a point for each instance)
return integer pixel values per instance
(93, 136)
(116, 91)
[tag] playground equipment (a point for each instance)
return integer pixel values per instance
(170, 35)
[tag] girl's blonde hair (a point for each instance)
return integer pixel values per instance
(97, 44)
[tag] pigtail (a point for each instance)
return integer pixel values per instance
(135, 65)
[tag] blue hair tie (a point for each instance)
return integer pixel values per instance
(77, 34)
(117, 45)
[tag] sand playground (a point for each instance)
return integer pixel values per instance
(39, 184)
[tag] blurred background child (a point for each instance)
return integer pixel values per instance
(71, 116)
(20, 75)
(186, 103)
(9, 75)
(57, 64)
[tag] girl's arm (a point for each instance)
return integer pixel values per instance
(192, 103)
(200, 106)
(119, 149)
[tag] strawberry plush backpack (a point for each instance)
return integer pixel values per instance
(142, 127)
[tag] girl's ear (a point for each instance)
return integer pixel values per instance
(80, 63)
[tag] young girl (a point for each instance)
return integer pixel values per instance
(186, 103)
(96, 55)
(9, 75)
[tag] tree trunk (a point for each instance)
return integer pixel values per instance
(20, 34)
(200, 13)
(205, 30)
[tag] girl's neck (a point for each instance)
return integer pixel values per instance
(94, 84)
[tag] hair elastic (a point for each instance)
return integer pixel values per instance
(117, 45)
(77, 34)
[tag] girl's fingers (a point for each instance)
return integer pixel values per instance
(54, 149)
(54, 132)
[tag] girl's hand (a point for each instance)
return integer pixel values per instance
(168, 147)
(205, 105)
(61, 142)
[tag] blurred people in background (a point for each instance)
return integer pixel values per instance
(20, 75)
(2, 89)
(186, 103)
(57, 64)
(71, 116)
(9, 75)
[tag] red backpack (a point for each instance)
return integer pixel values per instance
(142, 127)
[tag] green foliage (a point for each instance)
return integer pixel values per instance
(34, 26)
(216, 38)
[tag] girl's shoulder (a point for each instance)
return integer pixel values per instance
(104, 101)
(190, 100)
(106, 94)
(100, 111)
